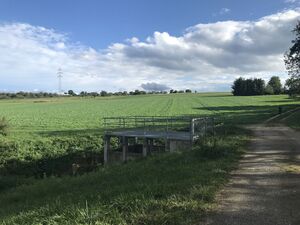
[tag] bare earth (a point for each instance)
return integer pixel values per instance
(265, 190)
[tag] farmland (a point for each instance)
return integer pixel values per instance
(167, 189)
(43, 116)
(52, 129)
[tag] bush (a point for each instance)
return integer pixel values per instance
(4, 126)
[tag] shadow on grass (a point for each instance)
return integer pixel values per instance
(245, 114)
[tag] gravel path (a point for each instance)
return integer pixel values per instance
(265, 190)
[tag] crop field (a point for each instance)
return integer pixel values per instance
(40, 116)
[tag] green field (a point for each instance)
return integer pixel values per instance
(52, 129)
(165, 189)
(75, 114)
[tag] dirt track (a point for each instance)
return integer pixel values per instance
(265, 190)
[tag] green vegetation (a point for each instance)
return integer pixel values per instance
(256, 86)
(293, 120)
(48, 135)
(4, 126)
(292, 59)
(62, 129)
(165, 189)
(69, 116)
(275, 84)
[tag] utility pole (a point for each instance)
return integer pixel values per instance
(59, 76)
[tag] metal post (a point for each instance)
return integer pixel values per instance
(124, 149)
(145, 147)
(150, 145)
(106, 148)
(192, 128)
(167, 145)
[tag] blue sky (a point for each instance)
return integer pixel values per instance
(100, 23)
(127, 44)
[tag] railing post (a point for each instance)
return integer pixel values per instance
(145, 147)
(124, 148)
(192, 127)
(106, 148)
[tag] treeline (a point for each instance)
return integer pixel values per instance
(136, 92)
(23, 95)
(257, 86)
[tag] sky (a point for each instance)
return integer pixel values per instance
(118, 45)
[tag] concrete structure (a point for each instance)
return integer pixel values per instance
(177, 132)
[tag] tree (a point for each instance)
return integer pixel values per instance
(269, 90)
(275, 83)
(258, 86)
(188, 91)
(248, 87)
(83, 93)
(238, 87)
(292, 63)
(293, 85)
(71, 92)
(94, 94)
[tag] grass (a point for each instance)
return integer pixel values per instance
(49, 134)
(174, 188)
(73, 115)
(293, 120)
(59, 130)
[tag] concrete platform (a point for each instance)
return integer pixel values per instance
(170, 135)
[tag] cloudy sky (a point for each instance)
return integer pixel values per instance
(118, 45)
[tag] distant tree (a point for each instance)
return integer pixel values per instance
(94, 94)
(248, 87)
(275, 83)
(136, 92)
(292, 63)
(103, 93)
(238, 87)
(269, 90)
(293, 85)
(258, 86)
(71, 93)
(188, 91)
(83, 93)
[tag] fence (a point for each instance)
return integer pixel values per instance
(197, 127)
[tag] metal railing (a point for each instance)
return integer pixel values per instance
(198, 126)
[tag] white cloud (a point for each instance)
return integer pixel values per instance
(206, 57)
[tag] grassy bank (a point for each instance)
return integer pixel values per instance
(166, 189)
